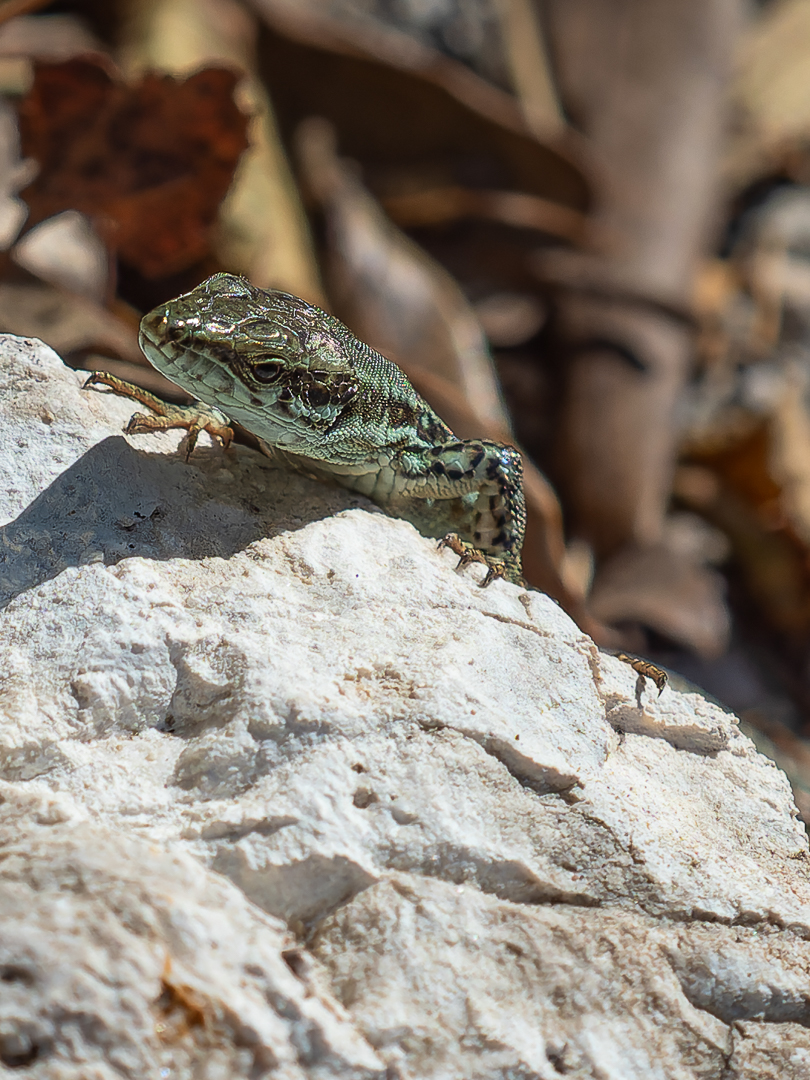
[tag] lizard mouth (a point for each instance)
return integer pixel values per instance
(171, 349)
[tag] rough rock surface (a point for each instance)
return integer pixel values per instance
(282, 795)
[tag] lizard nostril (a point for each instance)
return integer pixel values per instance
(317, 396)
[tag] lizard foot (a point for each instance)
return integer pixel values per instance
(194, 418)
(645, 670)
(496, 568)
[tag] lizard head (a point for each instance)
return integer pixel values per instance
(281, 367)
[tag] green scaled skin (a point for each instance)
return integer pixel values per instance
(325, 404)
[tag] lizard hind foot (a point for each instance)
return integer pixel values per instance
(496, 568)
(645, 669)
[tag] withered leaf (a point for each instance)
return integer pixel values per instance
(670, 593)
(414, 119)
(149, 164)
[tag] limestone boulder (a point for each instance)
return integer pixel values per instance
(284, 795)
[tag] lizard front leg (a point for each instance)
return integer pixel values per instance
(468, 494)
(193, 418)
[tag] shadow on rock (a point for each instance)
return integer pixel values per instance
(116, 502)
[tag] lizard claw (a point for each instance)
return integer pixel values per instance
(468, 554)
(164, 417)
(493, 572)
(645, 669)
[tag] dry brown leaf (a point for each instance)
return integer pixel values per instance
(789, 462)
(657, 588)
(510, 318)
(413, 118)
(47, 37)
(734, 490)
(261, 229)
(440, 206)
(149, 164)
(13, 9)
(66, 322)
(771, 91)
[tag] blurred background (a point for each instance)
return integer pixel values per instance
(581, 226)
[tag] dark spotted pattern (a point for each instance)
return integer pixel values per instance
(402, 415)
(430, 430)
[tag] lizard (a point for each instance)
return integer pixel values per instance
(323, 403)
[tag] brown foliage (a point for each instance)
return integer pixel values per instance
(149, 164)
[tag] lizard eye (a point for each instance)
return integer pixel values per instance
(268, 370)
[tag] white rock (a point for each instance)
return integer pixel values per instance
(492, 858)
(120, 958)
